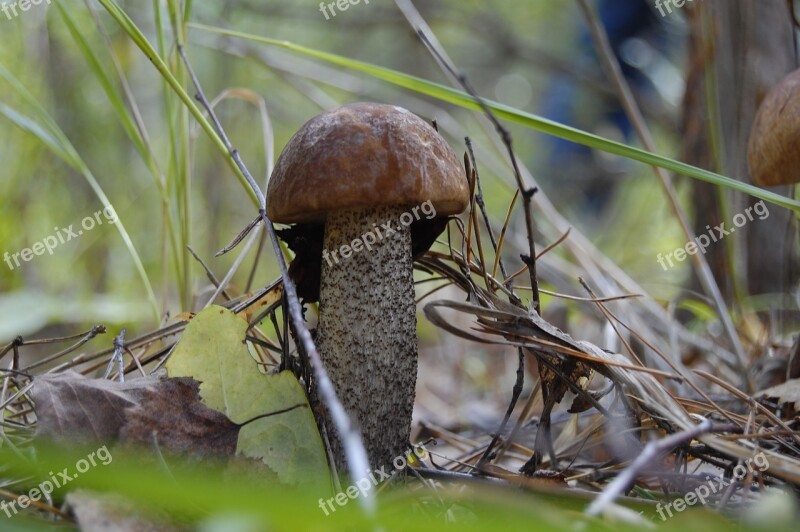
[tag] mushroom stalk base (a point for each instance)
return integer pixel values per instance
(367, 333)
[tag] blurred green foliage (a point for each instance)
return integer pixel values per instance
(500, 47)
(183, 192)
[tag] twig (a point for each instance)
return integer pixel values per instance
(354, 448)
(234, 267)
(119, 349)
(261, 242)
(482, 204)
(209, 273)
(84, 337)
(516, 391)
(634, 114)
(143, 340)
(41, 506)
(238, 238)
(527, 193)
(610, 321)
(650, 452)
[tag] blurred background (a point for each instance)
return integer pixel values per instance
(172, 189)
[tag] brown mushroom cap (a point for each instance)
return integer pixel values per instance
(773, 153)
(364, 155)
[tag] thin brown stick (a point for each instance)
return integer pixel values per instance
(650, 452)
(634, 114)
(354, 448)
(527, 193)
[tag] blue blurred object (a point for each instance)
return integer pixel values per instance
(566, 101)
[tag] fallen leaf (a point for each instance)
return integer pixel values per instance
(212, 351)
(785, 393)
(70, 406)
(172, 416)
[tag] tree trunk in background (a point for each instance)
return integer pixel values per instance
(749, 49)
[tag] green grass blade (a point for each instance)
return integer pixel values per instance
(129, 124)
(107, 85)
(187, 10)
(27, 124)
(144, 45)
(173, 173)
(54, 138)
(516, 116)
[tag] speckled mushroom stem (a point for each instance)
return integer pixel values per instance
(368, 328)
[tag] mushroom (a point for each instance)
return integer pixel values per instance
(367, 171)
(773, 153)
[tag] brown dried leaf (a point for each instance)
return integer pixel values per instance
(172, 416)
(786, 393)
(75, 408)
(152, 411)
